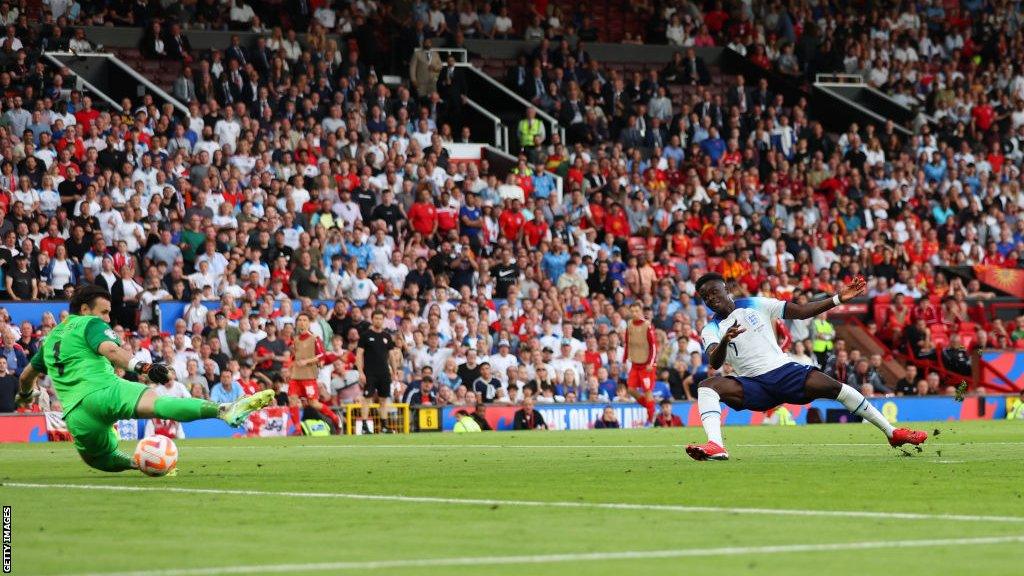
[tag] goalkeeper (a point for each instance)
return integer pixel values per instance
(80, 354)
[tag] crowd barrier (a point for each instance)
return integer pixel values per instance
(277, 421)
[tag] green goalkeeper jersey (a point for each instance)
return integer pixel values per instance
(70, 356)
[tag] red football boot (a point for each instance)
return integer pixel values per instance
(707, 451)
(901, 436)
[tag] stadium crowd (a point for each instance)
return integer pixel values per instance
(299, 181)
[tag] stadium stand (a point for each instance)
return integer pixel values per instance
(295, 145)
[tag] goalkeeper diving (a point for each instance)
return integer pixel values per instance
(79, 356)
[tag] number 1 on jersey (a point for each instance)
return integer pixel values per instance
(56, 358)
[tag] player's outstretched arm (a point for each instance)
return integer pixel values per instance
(811, 309)
(27, 391)
(120, 358)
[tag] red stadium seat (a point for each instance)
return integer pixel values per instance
(654, 244)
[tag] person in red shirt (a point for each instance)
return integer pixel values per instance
(535, 231)
(52, 240)
(423, 214)
(512, 222)
(307, 352)
(616, 222)
(983, 115)
(596, 212)
(87, 114)
(447, 216)
(641, 350)
(666, 419)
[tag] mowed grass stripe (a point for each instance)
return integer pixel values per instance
(528, 503)
(570, 557)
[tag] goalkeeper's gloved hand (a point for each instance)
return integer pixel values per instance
(26, 398)
(156, 372)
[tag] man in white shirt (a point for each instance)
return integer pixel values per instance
(502, 361)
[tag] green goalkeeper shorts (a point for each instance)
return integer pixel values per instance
(91, 423)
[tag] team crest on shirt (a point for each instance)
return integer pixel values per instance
(753, 319)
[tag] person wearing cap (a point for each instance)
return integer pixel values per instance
(566, 360)
(503, 360)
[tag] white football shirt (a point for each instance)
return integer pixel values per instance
(756, 351)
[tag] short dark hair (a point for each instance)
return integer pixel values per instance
(86, 295)
(706, 278)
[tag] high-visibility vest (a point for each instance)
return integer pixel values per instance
(1017, 411)
(823, 327)
(528, 130)
(785, 417)
(315, 428)
(466, 424)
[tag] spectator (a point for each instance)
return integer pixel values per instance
(607, 419)
(227, 390)
(955, 356)
(665, 417)
(526, 418)
(8, 387)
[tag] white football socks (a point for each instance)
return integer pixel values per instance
(708, 402)
(858, 405)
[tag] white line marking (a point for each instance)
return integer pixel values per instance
(569, 557)
(436, 446)
(882, 443)
(535, 503)
(567, 446)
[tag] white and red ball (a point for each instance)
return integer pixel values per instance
(155, 455)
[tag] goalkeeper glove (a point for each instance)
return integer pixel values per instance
(26, 398)
(156, 372)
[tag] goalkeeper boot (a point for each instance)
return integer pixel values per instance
(236, 412)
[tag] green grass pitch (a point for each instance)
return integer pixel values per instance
(618, 502)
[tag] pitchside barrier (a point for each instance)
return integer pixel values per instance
(277, 421)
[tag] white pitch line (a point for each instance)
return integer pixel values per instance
(572, 446)
(459, 446)
(882, 443)
(534, 503)
(569, 557)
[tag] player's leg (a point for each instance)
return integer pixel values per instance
(820, 385)
(150, 405)
(384, 398)
(637, 387)
(94, 436)
(294, 402)
(710, 395)
(648, 384)
(369, 396)
(311, 390)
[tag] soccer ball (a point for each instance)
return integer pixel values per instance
(155, 455)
